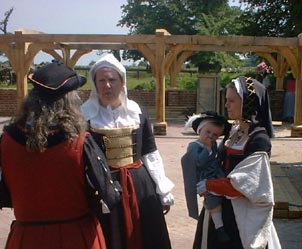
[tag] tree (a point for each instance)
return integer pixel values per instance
(271, 18)
(143, 17)
(221, 20)
(188, 17)
(4, 22)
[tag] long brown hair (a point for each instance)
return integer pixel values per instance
(39, 117)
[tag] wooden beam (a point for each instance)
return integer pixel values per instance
(177, 65)
(54, 54)
(148, 53)
(169, 39)
(172, 55)
(291, 59)
(162, 50)
(77, 55)
(229, 48)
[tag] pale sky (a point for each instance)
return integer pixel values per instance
(65, 17)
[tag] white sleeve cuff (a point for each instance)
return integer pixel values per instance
(167, 200)
(154, 164)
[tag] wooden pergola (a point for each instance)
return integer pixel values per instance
(166, 54)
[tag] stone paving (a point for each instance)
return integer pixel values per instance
(286, 151)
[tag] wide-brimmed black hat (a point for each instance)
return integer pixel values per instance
(215, 117)
(55, 79)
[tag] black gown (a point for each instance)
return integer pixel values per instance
(153, 225)
(258, 141)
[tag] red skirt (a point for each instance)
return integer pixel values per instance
(81, 234)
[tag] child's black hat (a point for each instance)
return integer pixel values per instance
(214, 116)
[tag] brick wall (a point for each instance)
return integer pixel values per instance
(142, 97)
(276, 104)
(183, 102)
(181, 98)
(8, 100)
(184, 99)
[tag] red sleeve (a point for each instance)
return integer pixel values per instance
(222, 186)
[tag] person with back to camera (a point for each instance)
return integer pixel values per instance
(46, 157)
(247, 206)
(201, 162)
(123, 130)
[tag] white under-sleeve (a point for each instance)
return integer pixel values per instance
(154, 163)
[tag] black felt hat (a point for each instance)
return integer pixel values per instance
(215, 117)
(55, 79)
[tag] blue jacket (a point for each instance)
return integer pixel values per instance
(198, 164)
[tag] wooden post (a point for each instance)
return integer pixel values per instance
(282, 67)
(173, 74)
(296, 129)
(18, 62)
(160, 127)
(21, 55)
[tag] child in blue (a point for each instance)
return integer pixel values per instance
(201, 162)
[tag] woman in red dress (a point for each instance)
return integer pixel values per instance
(43, 160)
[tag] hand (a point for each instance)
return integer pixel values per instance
(167, 199)
(201, 187)
(166, 209)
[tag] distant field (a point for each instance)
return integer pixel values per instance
(138, 78)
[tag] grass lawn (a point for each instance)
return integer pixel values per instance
(142, 79)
